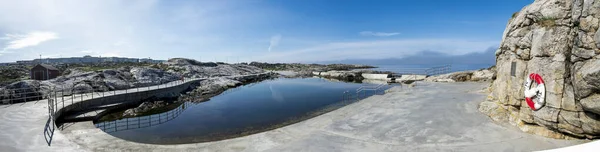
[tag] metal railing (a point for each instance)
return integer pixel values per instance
(439, 70)
(361, 92)
(59, 98)
(11, 96)
(143, 121)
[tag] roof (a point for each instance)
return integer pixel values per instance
(49, 67)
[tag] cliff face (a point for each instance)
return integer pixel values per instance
(560, 40)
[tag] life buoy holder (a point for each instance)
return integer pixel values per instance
(535, 96)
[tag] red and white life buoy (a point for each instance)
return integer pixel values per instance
(535, 96)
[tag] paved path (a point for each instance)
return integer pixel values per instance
(430, 117)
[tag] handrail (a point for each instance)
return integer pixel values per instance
(142, 121)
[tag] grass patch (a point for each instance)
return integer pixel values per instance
(547, 21)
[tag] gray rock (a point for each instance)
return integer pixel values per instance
(483, 75)
(144, 107)
(558, 39)
(590, 124)
(591, 103)
(495, 111)
(597, 38)
(586, 77)
(150, 76)
(195, 69)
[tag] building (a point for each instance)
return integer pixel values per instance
(87, 59)
(148, 60)
(25, 62)
(44, 72)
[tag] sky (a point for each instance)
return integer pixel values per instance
(251, 30)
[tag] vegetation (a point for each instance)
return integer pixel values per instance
(99, 66)
(547, 21)
(13, 73)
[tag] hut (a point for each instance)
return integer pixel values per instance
(44, 72)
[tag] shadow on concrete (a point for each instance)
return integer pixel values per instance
(49, 131)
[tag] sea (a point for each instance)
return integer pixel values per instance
(420, 69)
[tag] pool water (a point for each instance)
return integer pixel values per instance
(237, 112)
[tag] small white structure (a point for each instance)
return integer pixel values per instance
(316, 73)
(411, 77)
(385, 77)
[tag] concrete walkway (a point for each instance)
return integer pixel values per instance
(429, 117)
(65, 101)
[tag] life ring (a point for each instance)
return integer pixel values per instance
(535, 96)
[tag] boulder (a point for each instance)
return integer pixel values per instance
(462, 76)
(144, 107)
(195, 69)
(483, 75)
(559, 40)
(150, 76)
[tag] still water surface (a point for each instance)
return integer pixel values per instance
(240, 111)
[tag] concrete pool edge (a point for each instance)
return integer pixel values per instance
(262, 141)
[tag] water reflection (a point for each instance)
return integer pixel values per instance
(142, 121)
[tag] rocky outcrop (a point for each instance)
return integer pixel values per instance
(462, 76)
(560, 40)
(348, 76)
(195, 69)
(214, 86)
(144, 107)
(26, 90)
(80, 81)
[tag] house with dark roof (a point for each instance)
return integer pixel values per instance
(44, 72)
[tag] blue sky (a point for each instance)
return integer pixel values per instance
(251, 30)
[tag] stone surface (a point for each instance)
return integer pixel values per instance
(559, 40)
(482, 75)
(144, 107)
(462, 76)
(78, 81)
(591, 103)
(400, 120)
(195, 69)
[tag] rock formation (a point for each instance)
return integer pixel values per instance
(78, 81)
(462, 76)
(560, 40)
(195, 69)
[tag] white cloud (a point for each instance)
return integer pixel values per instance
(274, 41)
(379, 49)
(380, 34)
(86, 51)
(128, 28)
(19, 41)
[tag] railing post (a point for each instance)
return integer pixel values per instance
(56, 97)
(62, 94)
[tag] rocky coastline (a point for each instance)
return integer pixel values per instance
(560, 41)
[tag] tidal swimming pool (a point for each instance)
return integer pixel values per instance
(237, 112)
